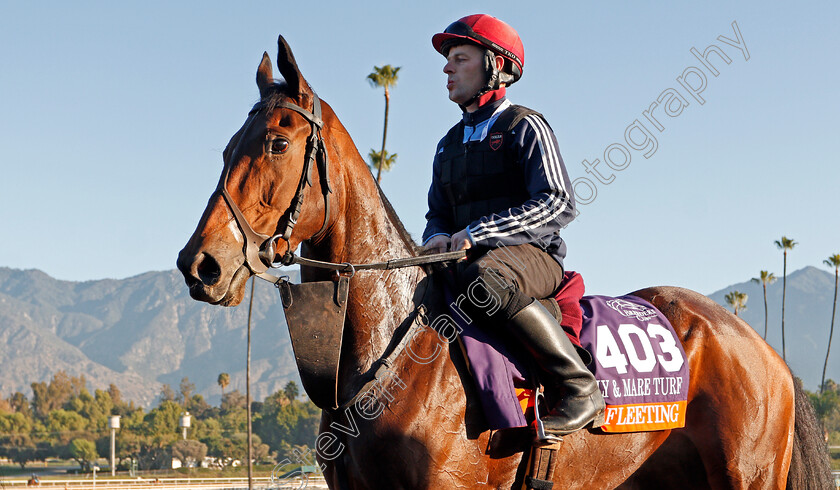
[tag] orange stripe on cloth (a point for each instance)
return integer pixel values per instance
(645, 416)
(640, 417)
(526, 399)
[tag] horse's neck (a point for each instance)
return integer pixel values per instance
(364, 232)
(382, 301)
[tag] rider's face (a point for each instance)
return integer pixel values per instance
(465, 72)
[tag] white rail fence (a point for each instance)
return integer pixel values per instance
(262, 483)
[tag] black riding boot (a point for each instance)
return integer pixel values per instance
(579, 401)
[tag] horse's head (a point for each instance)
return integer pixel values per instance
(250, 216)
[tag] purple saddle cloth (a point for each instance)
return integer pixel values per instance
(498, 373)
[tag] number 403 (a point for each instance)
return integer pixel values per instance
(611, 355)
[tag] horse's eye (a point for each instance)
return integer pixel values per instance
(278, 145)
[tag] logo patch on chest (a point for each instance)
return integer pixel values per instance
(496, 141)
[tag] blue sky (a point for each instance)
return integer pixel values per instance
(113, 117)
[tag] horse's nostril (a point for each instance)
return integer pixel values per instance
(208, 270)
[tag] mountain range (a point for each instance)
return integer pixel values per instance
(137, 333)
(144, 331)
(808, 303)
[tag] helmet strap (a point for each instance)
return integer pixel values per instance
(494, 79)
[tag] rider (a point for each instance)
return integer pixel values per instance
(500, 189)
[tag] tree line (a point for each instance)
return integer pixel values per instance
(63, 419)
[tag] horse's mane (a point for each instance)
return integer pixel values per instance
(389, 211)
(278, 92)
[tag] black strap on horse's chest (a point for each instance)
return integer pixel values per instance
(315, 313)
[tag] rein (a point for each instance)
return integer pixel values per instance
(346, 267)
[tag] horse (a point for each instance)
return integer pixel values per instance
(748, 425)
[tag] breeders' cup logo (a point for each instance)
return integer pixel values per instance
(496, 141)
(632, 310)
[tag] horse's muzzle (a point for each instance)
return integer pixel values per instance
(206, 282)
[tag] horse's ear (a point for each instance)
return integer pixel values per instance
(264, 75)
(289, 69)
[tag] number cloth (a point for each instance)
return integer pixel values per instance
(640, 364)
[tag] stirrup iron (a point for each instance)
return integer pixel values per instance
(543, 438)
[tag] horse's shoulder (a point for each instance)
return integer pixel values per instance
(438, 318)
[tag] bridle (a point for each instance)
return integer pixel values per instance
(260, 249)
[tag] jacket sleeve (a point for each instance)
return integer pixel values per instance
(438, 220)
(551, 206)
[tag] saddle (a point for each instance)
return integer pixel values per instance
(628, 344)
(498, 370)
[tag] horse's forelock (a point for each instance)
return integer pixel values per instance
(277, 92)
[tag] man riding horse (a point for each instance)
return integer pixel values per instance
(500, 189)
(749, 424)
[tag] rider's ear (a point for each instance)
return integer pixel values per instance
(289, 69)
(264, 75)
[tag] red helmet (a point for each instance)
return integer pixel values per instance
(489, 32)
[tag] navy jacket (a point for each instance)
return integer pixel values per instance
(538, 220)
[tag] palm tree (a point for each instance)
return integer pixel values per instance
(737, 300)
(764, 279)
(224, 381)
(831, 261)
(784, 244)
(386, 77)
(376, 157)
(291, 390)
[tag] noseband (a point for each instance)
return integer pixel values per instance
(260, 249)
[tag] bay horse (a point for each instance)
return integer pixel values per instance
(748, 425)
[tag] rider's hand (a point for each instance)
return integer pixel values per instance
(437, 244)
(461, 240)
